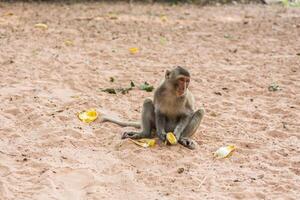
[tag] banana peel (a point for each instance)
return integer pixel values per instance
(145, 142)
(88, 116)
(224, 152)
(133, 50)
(41, 26)
(171, 138)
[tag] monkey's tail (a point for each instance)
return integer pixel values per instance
(120, 122)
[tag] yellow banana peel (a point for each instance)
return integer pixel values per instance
(145, 142)
(133, 50)
(41, 25)
(224, 152)
(88, 116)
(171, 138)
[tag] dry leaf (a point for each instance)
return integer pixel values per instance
(9, 14)
(163, 18)
(133, 50)
(68, 43)
(112, 16)
(41, 26)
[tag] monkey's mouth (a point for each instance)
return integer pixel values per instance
(180, 93)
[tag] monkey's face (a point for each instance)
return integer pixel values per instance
(181, 85)
(178, 79)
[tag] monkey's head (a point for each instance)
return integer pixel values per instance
(178, 79)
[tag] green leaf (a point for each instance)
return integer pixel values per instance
(109, 90)
(227, 36)
(163, 41)
(132, 84)
(124, 90)
(147, 87)
(274, 87)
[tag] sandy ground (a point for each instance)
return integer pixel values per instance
(233, 52)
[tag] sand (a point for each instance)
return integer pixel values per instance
(233, 53)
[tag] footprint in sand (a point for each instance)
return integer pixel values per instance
(14, 111)
(277, 134)
(67, 183)
(295, 168)
(4, 171)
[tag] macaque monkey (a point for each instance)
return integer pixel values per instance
(172, 110)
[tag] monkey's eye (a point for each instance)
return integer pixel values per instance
(182, 80)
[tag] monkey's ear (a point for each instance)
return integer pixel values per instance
(167, 75)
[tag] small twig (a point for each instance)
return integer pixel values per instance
(73, 144)
(205, 177)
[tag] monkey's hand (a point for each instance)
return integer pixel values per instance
(162, 135)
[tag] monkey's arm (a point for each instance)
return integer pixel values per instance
(160, 121)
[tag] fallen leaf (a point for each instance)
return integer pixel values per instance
(133, 50)
(132, 84)
(9, 14)
(213, 114)
(68, 43)
(41, 26)
(227, 36)
(117, 90)
(225, 88)
(273, 87)
(109, 90)
(124, 90)
(163, 18)
(147, 87)
(112, 16)
(163, 40)
(180, 170)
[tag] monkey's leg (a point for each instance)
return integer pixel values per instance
(147, 122)
(190, 129)
(160, 125)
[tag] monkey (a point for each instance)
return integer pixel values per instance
(171, 110)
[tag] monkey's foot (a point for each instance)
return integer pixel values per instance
(132, 135)
(188, 143)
